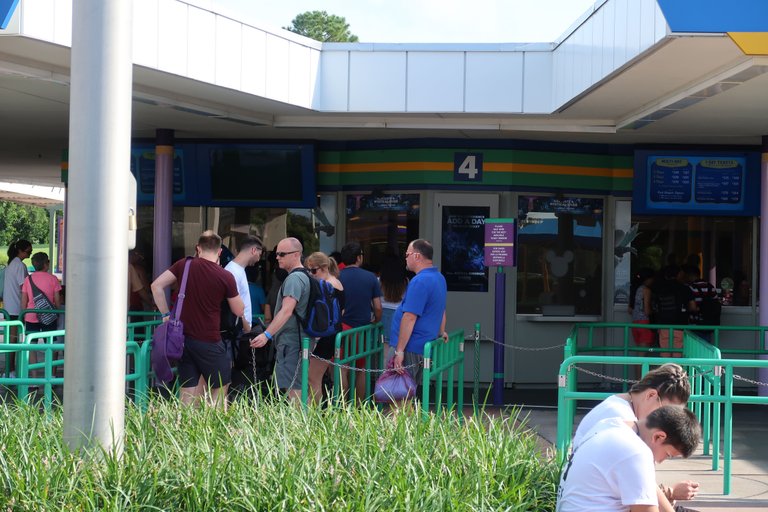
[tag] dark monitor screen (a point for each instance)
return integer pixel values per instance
(256, 174)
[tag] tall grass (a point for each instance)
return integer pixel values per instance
(271, 456)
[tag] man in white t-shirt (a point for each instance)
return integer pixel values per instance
(249, 254)
(665, 385)
(613, 466)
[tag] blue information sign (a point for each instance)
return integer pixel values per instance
(671, 180)
(719, 181)
(707, 183)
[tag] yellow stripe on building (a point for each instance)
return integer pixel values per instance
(751, 43)
(488, 167)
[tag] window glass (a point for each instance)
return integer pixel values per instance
(622, 251)
(383, 224)
(721, 247)
(311, 226)
(560, 254)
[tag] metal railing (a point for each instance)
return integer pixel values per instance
(367, 343)
(444, 359)
(723, 373)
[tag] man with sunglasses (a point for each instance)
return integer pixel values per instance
(285, 327)
(420, 317)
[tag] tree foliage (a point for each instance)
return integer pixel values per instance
(323, 27)
(301, 227)
(22, 221)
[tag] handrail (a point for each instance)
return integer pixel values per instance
(441, 357)
(6, 326)
(24, 312)
(366, 342)
(723, 369)
(716, 331)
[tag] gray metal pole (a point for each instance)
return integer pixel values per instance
(762, 373)
(97, 245)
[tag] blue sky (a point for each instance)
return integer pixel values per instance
(422, 21)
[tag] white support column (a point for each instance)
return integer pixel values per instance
(97, 246)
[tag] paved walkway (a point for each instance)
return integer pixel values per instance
(749, 468)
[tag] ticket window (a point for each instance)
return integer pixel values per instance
(560, 255)
(721, 247)
(382, 223)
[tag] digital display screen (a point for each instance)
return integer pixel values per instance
(232, 174)
(246, 174)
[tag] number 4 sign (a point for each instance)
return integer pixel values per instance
(467, 167)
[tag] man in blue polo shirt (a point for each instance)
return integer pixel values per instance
(421, 316)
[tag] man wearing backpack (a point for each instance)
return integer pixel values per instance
(285, 328)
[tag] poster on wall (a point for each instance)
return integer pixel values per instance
(462, 262)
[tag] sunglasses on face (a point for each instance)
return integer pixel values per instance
(284, 254)
(313, 270)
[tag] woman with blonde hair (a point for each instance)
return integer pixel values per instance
(323, 268)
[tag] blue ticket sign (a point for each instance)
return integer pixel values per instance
(719, 181)
(707, 183)
(671, 180)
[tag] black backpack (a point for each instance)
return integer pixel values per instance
(709, 311)
(665, 308)
(323, 315)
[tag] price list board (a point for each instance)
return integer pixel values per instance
(675, 182)
(671, 180)
(719, 181)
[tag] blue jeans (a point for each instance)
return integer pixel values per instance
(386, 321)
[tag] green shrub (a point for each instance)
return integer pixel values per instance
(276, 457)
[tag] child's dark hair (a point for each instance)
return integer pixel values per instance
(39, 259)
(679, 424)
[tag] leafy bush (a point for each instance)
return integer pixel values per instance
(270, 456)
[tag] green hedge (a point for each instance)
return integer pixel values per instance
(272, 456)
